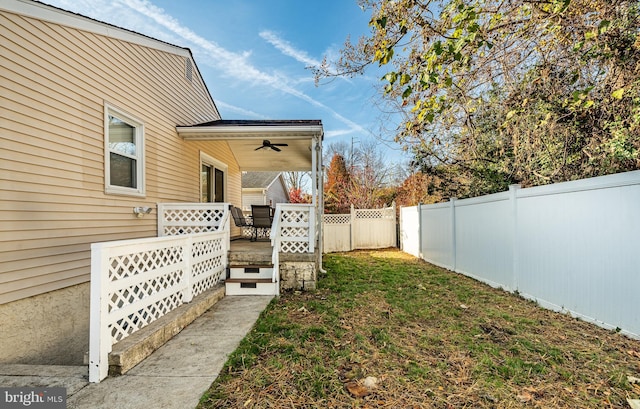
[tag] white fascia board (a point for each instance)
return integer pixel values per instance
(238, 132)
(62, 17)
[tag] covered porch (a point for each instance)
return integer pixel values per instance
(273, 145)
(134, 283)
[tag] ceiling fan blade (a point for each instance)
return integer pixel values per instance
(267, 144)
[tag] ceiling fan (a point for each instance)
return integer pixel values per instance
(267, 144)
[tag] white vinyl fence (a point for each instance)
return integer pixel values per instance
(361, 229)
(571, 247)
(410, 230)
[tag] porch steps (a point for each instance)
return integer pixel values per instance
(251, 279)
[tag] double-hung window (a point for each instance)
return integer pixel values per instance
(124, 154)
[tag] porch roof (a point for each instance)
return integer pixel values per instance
(244, 136)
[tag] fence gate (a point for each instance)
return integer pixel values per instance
(336, 232)
(361, 229)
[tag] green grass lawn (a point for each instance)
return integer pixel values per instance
(385, 330)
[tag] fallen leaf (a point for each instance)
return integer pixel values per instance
(633, 353)
(633, 379)
(525, 397)
(464, 307)
(357, 390)
(302, 309)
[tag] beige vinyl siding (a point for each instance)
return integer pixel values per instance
(55, 82)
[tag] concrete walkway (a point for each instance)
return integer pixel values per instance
(174, 376)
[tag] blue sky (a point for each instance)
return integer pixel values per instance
(254, 54)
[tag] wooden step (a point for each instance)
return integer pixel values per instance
(248, 280)
(250, 272)
(250, 286)
(250, 265)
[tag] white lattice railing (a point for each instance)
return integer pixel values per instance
(188, 218)
(293, 231)
(135, 282)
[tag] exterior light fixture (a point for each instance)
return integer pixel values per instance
(141, 211)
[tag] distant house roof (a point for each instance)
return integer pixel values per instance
(258, 180)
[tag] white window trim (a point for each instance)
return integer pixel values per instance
(208, 160)
(140, 191)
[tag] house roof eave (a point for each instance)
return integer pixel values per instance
(244, 138)
(236, 132)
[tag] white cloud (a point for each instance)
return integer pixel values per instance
(287, 49)
(338, 132)
(153, 21)
(233, 108)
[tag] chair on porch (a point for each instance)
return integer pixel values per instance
(239, 219)
(262, 218)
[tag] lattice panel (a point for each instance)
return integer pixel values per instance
(190, 216)
(178, 230)
(203, 285)
(190, 221)
(295, 216)
(138, 263)
(144, 316)
(369, 214)
(210, 267)
(294, 246)
(247, 232)
(300, 229)
(294, 232)
(337, 218)
(374, 214)
(202, 248)
(208, 272)
(136, 292)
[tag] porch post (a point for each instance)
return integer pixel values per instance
(317, 177)
(316, 149)
(314, 173)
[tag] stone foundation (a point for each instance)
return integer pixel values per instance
(47, 329)
(298, 275)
